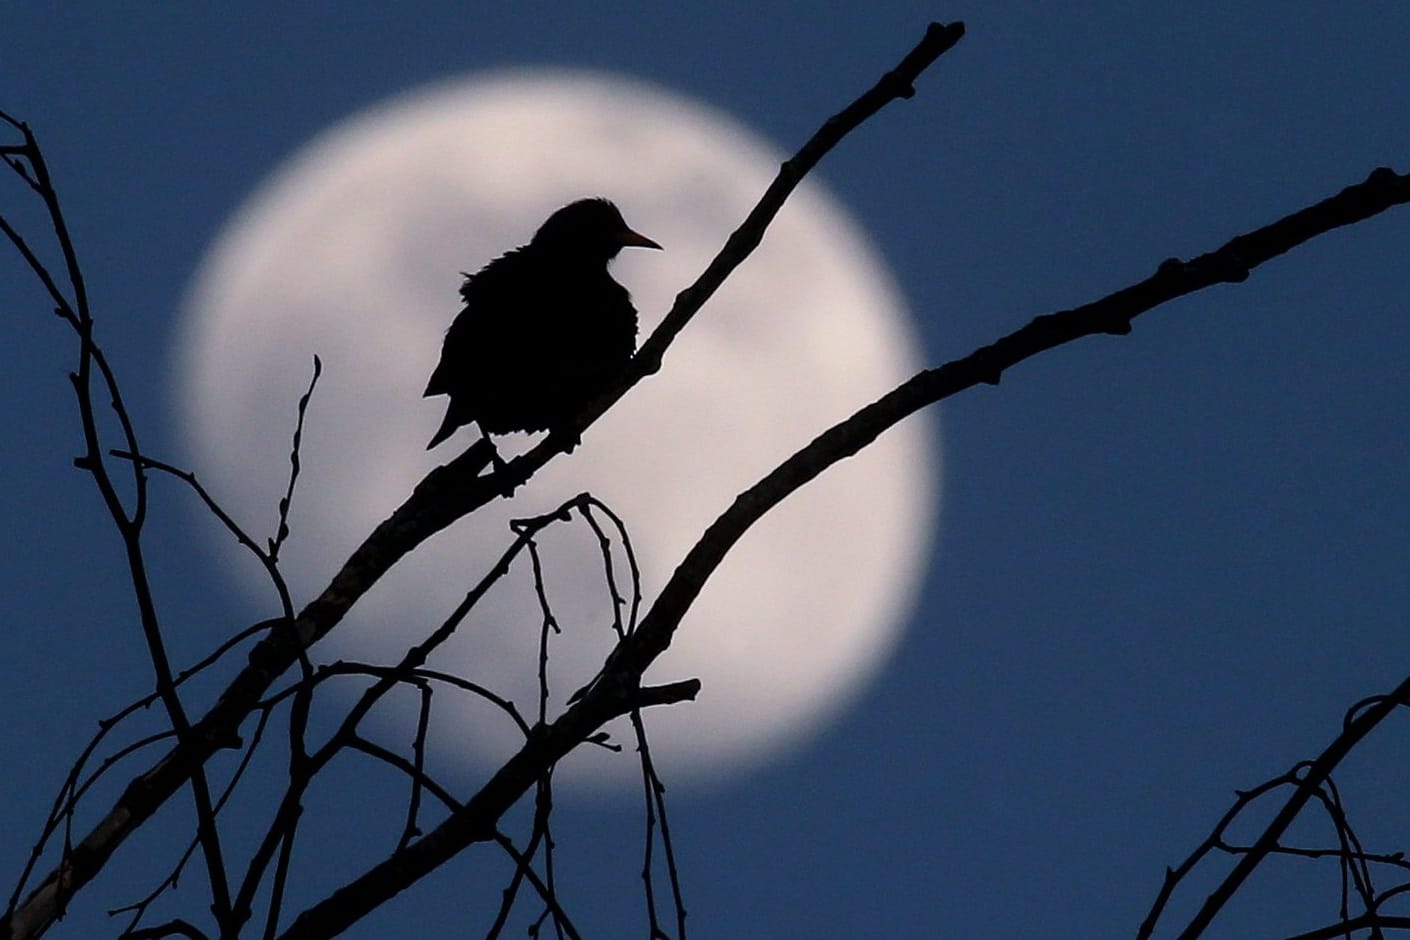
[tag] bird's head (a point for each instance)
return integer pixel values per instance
(590, 228)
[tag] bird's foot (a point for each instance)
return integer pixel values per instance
(499, 467)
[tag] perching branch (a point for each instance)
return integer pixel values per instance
(612, 693)
(447, 494)
(460, 487)
(898, 83)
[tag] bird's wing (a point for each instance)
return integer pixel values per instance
(478, 330)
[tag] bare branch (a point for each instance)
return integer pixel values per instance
(525, 869)
(393, 759)
(462, 486)
(1313, 776)
(284, 504)
(175, 928)
(1345, 928)
(898, 83)
(611, 694)
(446, 494)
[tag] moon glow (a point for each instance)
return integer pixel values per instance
(352, 249)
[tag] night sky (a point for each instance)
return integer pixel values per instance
(1166, 565)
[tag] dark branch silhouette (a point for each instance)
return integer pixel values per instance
(613, 692)
(439, 823)
(447, 494)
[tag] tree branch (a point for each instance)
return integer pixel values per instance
(446, 494)
(613, 692)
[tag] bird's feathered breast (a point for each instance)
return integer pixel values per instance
(539, 333)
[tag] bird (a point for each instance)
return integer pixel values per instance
(544, 327)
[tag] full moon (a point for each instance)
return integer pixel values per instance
(352, 251)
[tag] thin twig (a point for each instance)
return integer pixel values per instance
(266, 559)
(174, 928)
(418, 751)
(447, 494)
(1311, 779)
(393, 759)
(524, 861)
(282, 532)
(128, 523)
(611, 694)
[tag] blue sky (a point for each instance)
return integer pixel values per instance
(1168, 561)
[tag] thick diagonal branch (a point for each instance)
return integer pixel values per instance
(447, 494)
(612, 693)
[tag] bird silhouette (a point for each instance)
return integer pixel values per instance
(544, 327)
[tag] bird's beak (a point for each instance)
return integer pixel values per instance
(632, 239)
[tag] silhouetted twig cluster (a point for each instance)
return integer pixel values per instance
(235, 892)
(437, 823)
(1361, 905)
